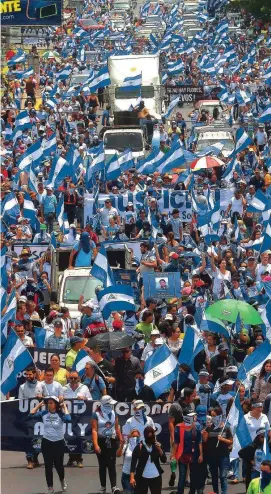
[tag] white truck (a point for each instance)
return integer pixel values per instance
(121, 67)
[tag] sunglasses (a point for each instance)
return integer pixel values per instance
(73, 378)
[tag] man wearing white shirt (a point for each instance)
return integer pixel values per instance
(51, 387)
(263, 266)
(256, 419)
(107, 212)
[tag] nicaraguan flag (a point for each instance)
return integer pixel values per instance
(161, 369)
(259, 202)
(213, 150)
(116, 298)
(101, 269)
(192, 345)
(97, 165)
(64, 74)
(33, 181)
(266, 115)
(25, 74)
(49, 145)
(32, 155)
(10, 209)
(126, 160)
(60, 169)
(148, 165)
(213, 325)
(242, 142)
(175, 68)
(171, 106)
(253, 362)
(9, 315)
(61, 216)
(237, 234)
(40, 336)
(29, 210)
(101, 79)
(113, 170)
(80, 362)
(20, 57)
(239, 428)
(3, 266)
(132, 82)
(23, 121)
(3, 297)
(266, 238)
(173, 159)
(215, 216)
(15, 358)
(222, 27)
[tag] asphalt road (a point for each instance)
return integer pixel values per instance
(16, 479)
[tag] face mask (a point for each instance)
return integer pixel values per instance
(106, 409)
(265, 480)
(150, 439)
(216, 421)
(133, 441)
(140, 415)
(258, 342)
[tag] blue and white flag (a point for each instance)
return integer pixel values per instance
(160, 369)
(29, 210)
(116, 298)
(242, 142)
(148, 165)
(20, 57)
(213, 150)
(33, 181)
(101, 79)
(266, 115)
(40, 336)
(266, 238)
(3, 267)
(32, 155)
(60, 169)
(23, 120)
(253, 362)
(10, 209)
(101, 268)
(222, 27)
(25, 74)
(213, 325)
(126, 160)
(97, 165)
(259, 203)
(238, 324)
(64, 74)
(173, 159)
(237, 233)
(9, 315)
(82, 358)
(131, 83)
(175, 68)
(15, 358)
(239, 428)
(192, 345)
(61, 216)
(171, 106)
(113, 170)
(49, 145)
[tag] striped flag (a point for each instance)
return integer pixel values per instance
(161, 368)
(116, 298)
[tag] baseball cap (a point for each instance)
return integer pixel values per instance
(58, 322)
(232, 368)
(173, 255)
(22, 298)
(107, 400)
(223, 347)
(169, 317)
(54, 398)
(76, 339)
(228, 382)
(155, 332)
(204, 372)
(88, 304)
(137, 404)
(48, 187)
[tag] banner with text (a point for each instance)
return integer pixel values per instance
(187, 93)
(30, 12)
(166, 200)
(21, 432)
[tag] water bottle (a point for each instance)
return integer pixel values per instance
(173, 465)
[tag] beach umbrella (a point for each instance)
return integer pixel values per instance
(205, 163)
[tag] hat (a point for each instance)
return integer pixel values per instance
(201, 410)
(228, 382)
(54, 398)
(173, 255)
(189, 418)
(169, 317)
(22, 298)
(223, 347)
(76, 339)
(159, 341)
(88, 304)
(58, 322)
(153, 199)
(130, 204)
(155, 332)
(137, 404)
(48, 187)
(117, 324)
(204, 372)
(53, 313)
(258, 404)
(187, 290)
(107, 400)
(232, 368)
(35, 317)
(25, 252)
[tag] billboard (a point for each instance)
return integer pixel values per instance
(30, 12)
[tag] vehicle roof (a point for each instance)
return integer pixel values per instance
(209, 102)
(215, 135)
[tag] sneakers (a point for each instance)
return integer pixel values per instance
(50, 490)
(30, 465)
(70, 463)
(234, 481)
(172, 479)
(115, 490)
(102, 490)
(64, 485)
(80, 464)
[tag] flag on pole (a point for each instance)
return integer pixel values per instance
(101, 268)
(116, 298)
(239, 428)
(15, 358)
(161, 368)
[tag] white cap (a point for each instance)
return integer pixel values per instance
(107, 400)
(88, 304)
(137, 404)
(155, 332)
(169, 317)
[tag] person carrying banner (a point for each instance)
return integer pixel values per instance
(52, 445)
(106, 436)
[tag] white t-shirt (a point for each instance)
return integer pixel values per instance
(81, 390)
(218, 278)
(236, 205)
(53, 389)
(261, 269)
(255, 424)
(105, 214)
(150, 471)
(138, 424)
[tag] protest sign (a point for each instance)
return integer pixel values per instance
(187, 93)
(21, 432)
(30, 12)
(161, 285)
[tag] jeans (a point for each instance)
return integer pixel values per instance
(125, 482)
(234, 466)
(219, 468)
(53, 454)
(49, 219)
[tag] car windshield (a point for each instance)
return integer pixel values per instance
(76, 285)
(228, 144)
(144, 92)
(211, 108)
(121, 141)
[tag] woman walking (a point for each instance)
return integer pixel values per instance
(52, 445)
(105, 435)
(146, 472)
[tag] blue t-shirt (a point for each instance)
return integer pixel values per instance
(83, 259)
(49, 203)
(95, 385)
(191, 440)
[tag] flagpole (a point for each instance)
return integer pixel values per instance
(223, 428)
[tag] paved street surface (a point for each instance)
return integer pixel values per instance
(16, 479)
